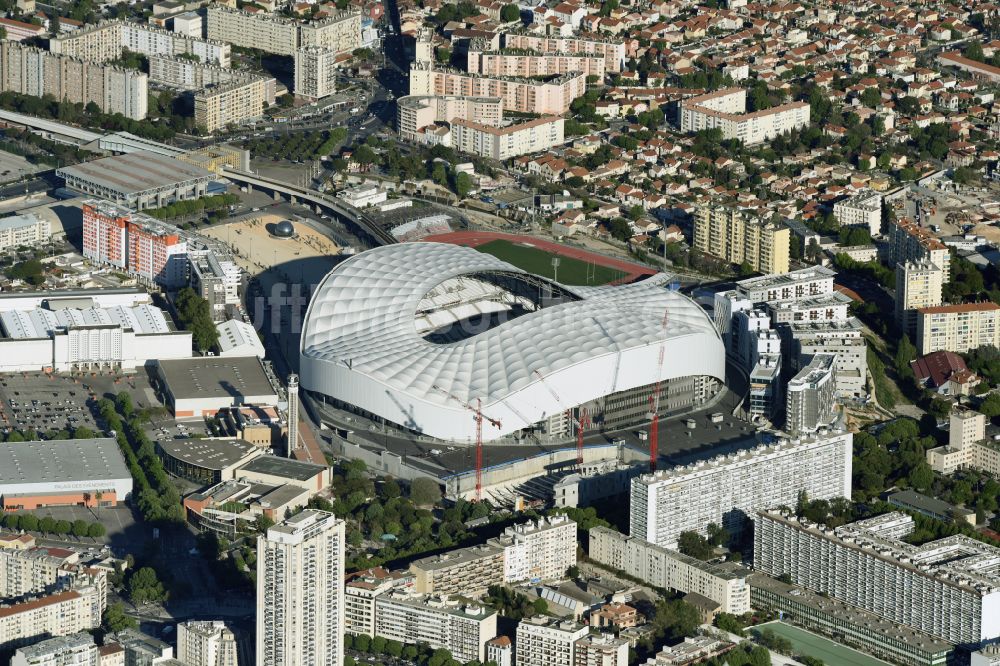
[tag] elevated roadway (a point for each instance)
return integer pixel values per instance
(364, 224)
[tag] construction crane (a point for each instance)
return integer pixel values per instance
(654, 403)
(478, 416)
(582, 420)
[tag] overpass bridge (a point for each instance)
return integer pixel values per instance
(363, 223)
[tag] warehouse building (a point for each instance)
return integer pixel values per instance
(73, 472)
(138, 180)
(206, 461)
(275, 471)
(202, 386)
(64, 338)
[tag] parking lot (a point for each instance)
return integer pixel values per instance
(52, 402)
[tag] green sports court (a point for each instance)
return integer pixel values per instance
(807, 643)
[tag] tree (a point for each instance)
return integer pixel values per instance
(694, 545)
(80, 528)
(424, 491)
(116, 620)
(55, 25)
(540, 605)
(921, 476)
(286, 101)
(29, 523)
(442, 55)
(573, 571)
(95, 531)
(463, 185)
(144, 586)
(974, 51)
(510, 13)
(871, 97)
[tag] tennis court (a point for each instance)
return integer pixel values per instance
(810, 644)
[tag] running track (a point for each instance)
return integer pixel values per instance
(477, 238)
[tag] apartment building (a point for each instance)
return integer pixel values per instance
(503, 143)
(217, 279)
(919, 285)
(600, 650)
(613, 52)
(967, 446)
(521, 63)
(725, 584)
(907, 241)
(157, 254)
(864, 209)
(726, 110)
(729, 488)
(552, 96)
(461, 629)
(23, 230)
(724, 232)
(958, 328)
(27, 70)
(789, 286)
(946, 588)
(315, 72)
(845, 339)
(189, 75)
(811, 396)
(827, 307)
(360, 592)
(415, 113)
(72, 650)
(465, 571)
(545, 641)
(27, 570)
(206, 643)
(219, 105)
(536, 551)
(60, 614)
(300, 591)
(106, 40)
(282, 36)
(19, 31)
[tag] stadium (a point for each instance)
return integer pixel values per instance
(422, 334)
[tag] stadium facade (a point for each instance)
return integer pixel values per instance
(419, 334)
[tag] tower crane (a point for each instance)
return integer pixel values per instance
(478, 417)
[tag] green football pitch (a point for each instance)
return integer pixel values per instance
(808, 643)
(534, 260)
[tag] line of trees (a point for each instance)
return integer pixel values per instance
(156, 497)
(193, 206)
(195, 315)
(50, 526)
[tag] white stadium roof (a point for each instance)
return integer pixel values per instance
(372, 338)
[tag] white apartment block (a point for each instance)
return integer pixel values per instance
(59, 614)
(106, 41)
(919, 285)
(613, 51)
(687, 498)
(315, 72)
(28, 571)
(300, 592)
(811, 396)
(958, 328)
(828, 307)
(206, 643)
(841, 337)
(724, 584)
(440, 623)
(601, 650)
(947, 588)
(503, 143)
(544, 641)
(189, 75)
(220, 105)
(537, 551)
(483, 60)
(967, 446)
(794, 285)
(73, 650)
(910, 242)
(415, 113)
(864, 209)
(27, 70)
(465, 571)
(282, 36)
(27, 230)
(519, 94)
(360, 592)
(726, 110)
